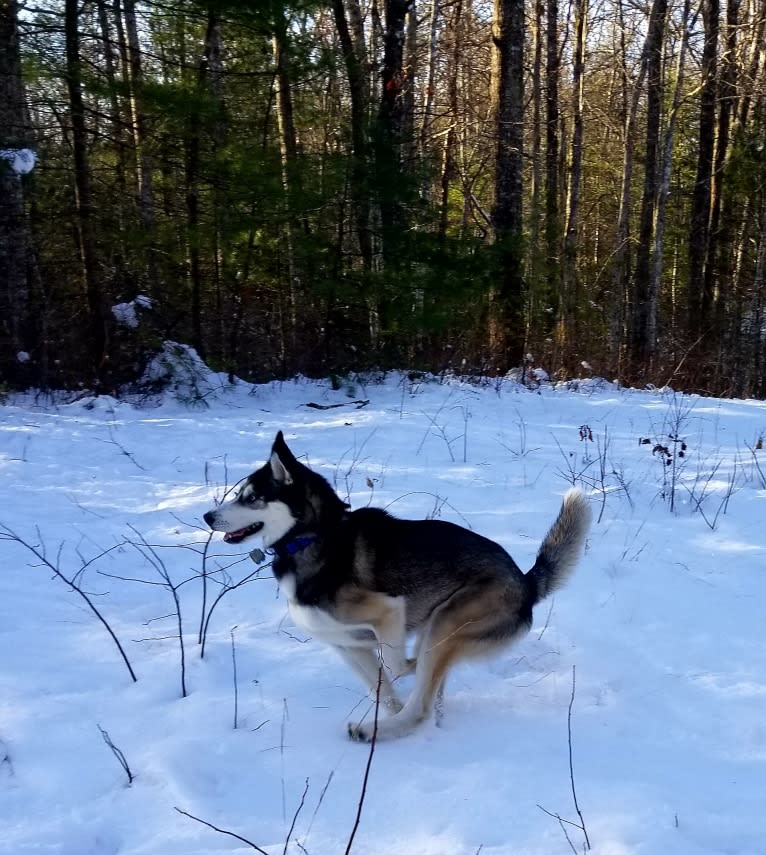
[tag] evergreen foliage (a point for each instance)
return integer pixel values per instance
(283, 215)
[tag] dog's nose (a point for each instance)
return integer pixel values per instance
(209, 518)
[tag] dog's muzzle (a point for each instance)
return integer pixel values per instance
(237, 536)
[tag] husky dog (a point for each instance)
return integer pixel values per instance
(360, 581)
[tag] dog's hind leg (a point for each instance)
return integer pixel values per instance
(432, 666)
(469, 624)
(366, 664)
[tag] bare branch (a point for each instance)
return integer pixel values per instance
(39, 553)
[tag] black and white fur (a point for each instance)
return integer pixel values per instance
(362, 580)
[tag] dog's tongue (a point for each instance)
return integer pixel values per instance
(234, 536)
(242, 533)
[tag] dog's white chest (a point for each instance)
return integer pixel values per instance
(320, 624)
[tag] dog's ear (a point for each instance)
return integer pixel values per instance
(281, 460)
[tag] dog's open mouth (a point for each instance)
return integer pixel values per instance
(241, 533)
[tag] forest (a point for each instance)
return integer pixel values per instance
(325, 186)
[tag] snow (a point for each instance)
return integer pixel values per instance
(663, 621)
(125, 314)
(21, 160)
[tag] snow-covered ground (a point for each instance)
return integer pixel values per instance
(664, 622)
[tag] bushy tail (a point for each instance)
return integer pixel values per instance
(562, 546)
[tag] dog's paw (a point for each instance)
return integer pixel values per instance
(360, 732)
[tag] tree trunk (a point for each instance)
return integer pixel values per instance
(354, 56)
(391, 128)
(539, 299)
(192, 166)
(15, 249)
(700, 299)
(552, 214)
(214, 72)
(409, 76)
(664, 188)
(145, 176)
(641, 348)
(430, 87)
(115, 111)
(288, 149)
(448, 151)
(569, 300)
(506, 308)
(97, 317)
(621, 261)
(717, 273)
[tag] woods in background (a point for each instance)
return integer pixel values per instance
(324, 186)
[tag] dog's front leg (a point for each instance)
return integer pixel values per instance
(366, 664)
(391, 631)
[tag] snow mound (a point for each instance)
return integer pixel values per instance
(179, 372)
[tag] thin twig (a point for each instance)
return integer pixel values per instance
(295, 817)
(204, 575)
(145, 549)
(225, 590)
(547, 619)
(571, 765)
(369, 763)
(285, 716)
(222, 831)
(234, 671)
(117, 753)
(319, 804)
(563, 827)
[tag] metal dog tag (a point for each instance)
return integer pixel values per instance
(258, 556)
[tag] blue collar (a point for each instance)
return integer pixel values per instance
(300, 543)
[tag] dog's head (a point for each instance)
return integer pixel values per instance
(280, 498)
